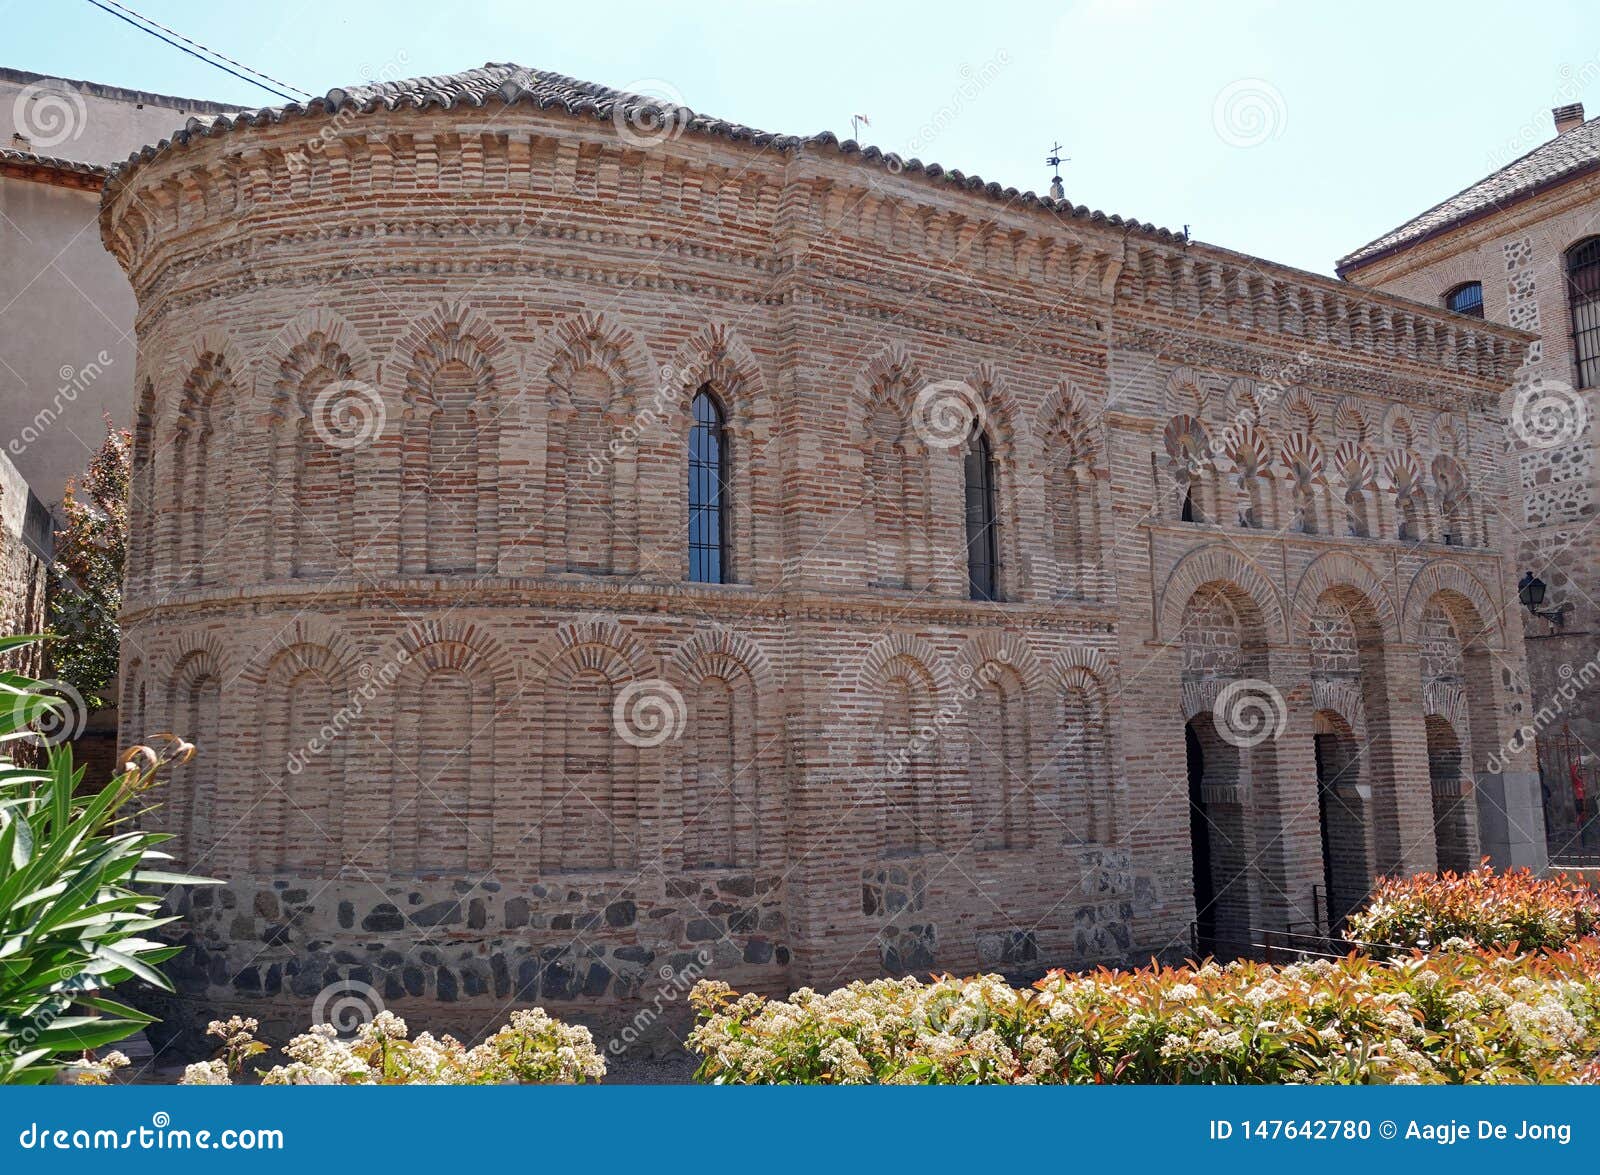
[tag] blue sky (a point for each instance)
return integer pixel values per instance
(1293, 131)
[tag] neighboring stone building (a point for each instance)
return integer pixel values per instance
(24, 557)
(66, 311)
(1522, 246)
(595, 544)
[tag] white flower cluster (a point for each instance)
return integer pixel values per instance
(531, 1049)
(1458, 1016)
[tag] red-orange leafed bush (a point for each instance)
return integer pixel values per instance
(1483, 908)
(1471, 1017)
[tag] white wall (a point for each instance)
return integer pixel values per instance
(66, 309)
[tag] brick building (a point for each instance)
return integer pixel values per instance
(594, 542)
(1522, 246)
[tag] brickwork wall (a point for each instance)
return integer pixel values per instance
(1517, 254)
(485, 581)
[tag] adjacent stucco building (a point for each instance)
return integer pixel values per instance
(66, 311)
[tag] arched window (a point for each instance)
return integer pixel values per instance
(708, 492)
(1583, 294)
(983, 547)
(1467, 298)
(1355, 514)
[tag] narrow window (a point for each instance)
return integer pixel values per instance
(1583, 294)
(983, 548)
(708, 492)
(1467, 298)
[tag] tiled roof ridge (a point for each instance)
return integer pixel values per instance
(514, 83)
(52, 162)
(1424, 224)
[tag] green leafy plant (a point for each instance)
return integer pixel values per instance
(85, 590)
(76, 901)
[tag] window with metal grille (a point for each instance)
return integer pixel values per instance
(708, 491)
(1583, 294)
(983, 547)
(1467, 298)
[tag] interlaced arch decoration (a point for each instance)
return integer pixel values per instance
(910, 684)
(1191, 468)
(1454, 505)
(1300, 411)
(1005, 680)
(1447, 435)
(1187, 394)
(1411, 508)
(1303, 463)
(1245, 403)
(1399, 430)
(315, 362)
(308, 629)
(1350, 421)
(907, 760)
(1250, 453)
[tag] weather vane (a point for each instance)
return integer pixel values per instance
(1055, 160)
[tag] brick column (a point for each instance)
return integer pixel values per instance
(1397, 761)
(1283, 799)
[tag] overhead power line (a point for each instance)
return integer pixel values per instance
(198, 51)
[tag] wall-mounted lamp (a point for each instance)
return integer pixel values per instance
(1531, 592)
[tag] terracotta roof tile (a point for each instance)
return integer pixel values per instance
(86, 174)
(505, 82)
(1562, 157)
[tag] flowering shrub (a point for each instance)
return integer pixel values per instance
(1482, 908)
(1461, 1017)
(532, 1049)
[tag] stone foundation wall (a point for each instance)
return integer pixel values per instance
(458, 955)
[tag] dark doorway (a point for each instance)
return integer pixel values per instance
(1205, 894)
(1452, 799)
(1342, 821)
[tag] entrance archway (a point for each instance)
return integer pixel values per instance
(1452, 815)
(1343, 812)
(1218, 841)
